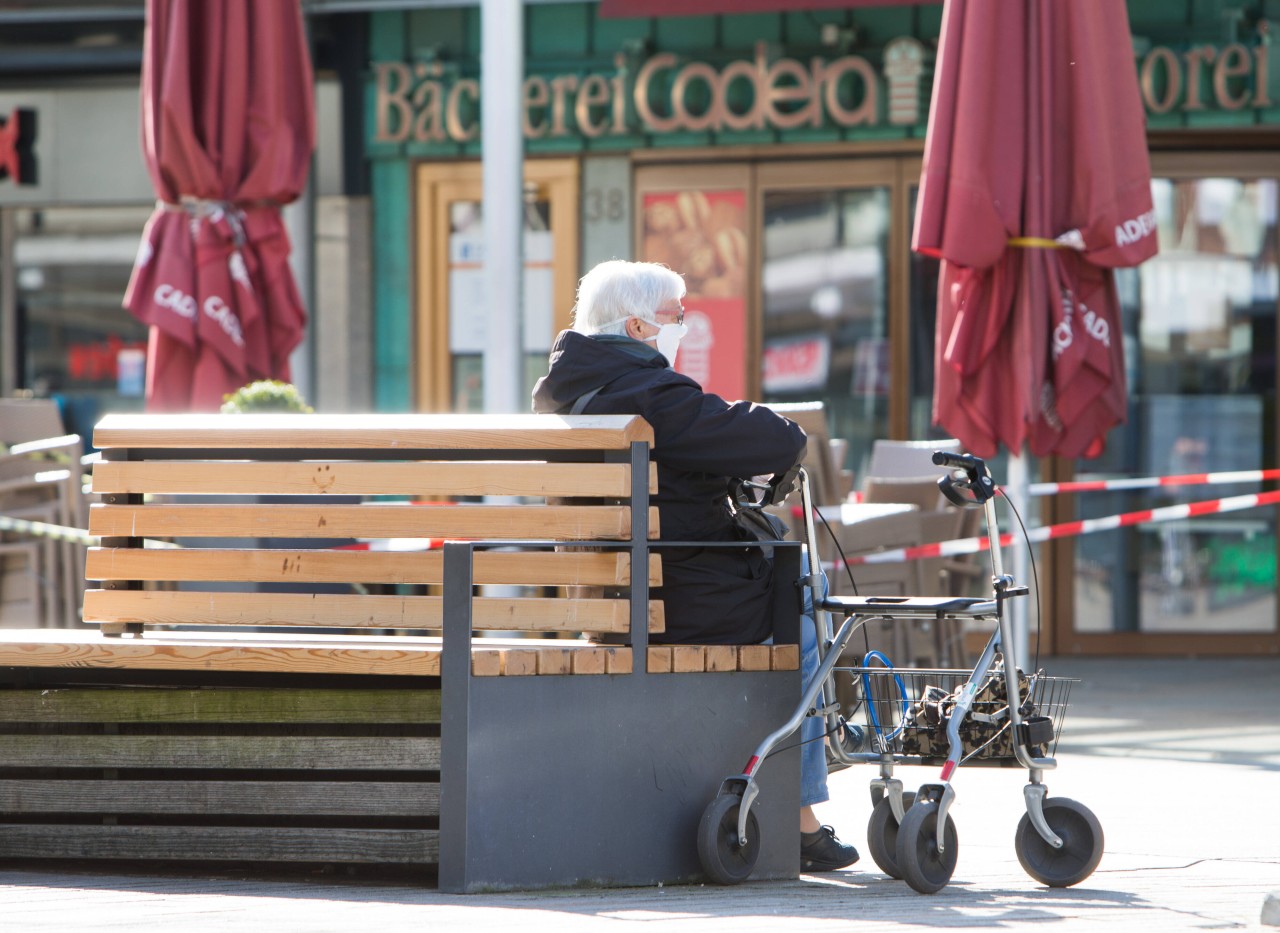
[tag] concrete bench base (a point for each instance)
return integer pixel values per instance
(571, 780)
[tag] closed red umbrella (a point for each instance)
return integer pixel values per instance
(228, 128)
(1036, 184)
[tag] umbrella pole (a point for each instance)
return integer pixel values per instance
(1015, 490)
(299, 222)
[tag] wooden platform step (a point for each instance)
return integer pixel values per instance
(577, 658)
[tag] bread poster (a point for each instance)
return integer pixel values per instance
(702, 235)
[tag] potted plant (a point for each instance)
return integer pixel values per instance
(265, 395)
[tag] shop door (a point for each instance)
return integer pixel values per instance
(1200, 336)
(799, 276)
(833, 294)
(451, 305)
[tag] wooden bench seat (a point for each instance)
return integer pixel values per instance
(290, 611)
(374, 655)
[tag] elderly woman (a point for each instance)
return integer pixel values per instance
(618, 359)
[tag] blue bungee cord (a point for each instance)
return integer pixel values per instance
(871, 705)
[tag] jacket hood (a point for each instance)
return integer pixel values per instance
(578, 364)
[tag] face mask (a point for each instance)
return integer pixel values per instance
(667, 340)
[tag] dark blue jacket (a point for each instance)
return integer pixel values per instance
(710, 595)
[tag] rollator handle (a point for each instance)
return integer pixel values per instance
(752, 495)
(974, 488)
(967, 462)
(782, 485)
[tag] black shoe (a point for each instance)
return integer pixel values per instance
(822, 851)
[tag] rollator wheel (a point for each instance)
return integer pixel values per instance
(882, 834)
(723, 859)
(922, 865)
(1081, 835)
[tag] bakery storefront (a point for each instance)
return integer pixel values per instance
(773, 159)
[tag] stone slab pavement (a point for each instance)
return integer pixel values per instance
(1180, 759)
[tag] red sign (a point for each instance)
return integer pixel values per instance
(797, 365)
(702, 235)
(712, 353)
(96, 362)
(17, 136)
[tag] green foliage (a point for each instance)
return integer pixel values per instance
(265, 395)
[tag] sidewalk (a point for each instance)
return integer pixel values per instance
(1179, 759)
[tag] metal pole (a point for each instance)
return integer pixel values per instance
(299, 223)
(299, 219)
(501, 76)
(1016, 490)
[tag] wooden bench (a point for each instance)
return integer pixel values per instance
(292, 690)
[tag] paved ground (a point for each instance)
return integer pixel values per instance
(1179, 759)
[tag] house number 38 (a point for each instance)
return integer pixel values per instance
(605, 204)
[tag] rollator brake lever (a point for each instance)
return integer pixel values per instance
(970, 484)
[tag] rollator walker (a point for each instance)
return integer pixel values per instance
(991, 715)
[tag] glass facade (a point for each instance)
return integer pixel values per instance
(1200, 341)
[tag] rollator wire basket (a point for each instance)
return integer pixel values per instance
(906, 713)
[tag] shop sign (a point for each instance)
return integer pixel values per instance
(17, 136)
(665, 94)
(420, 102)
(1235, 76)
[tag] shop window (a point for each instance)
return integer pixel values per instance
(825, 307)
(75, 341)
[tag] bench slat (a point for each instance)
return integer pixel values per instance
(259, 752)
(246, 798)
(166, 652)
(372, 431)
(228, 843)
(167, 607)
(504, 522)
(347, 478)
(563, 568)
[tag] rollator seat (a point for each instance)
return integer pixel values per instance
(942, 605)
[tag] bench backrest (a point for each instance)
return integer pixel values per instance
(328, 521)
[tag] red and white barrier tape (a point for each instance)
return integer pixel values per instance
(1151, 482)
(64, 533)
(1069, 529)
(48, 530)
(393, 544)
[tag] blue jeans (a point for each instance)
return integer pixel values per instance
(813, 751)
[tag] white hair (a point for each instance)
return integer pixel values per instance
(616, 290)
